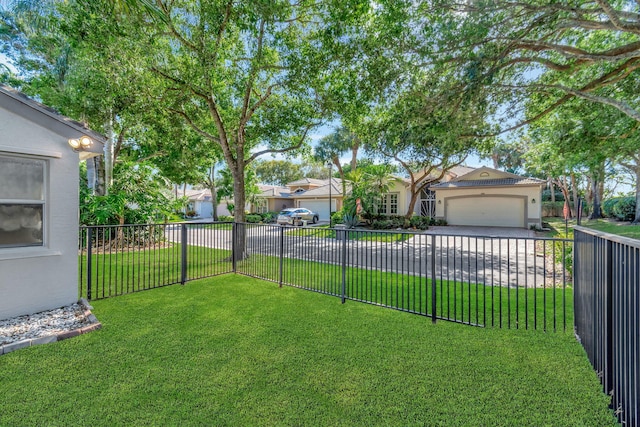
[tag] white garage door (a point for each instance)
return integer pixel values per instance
(486, 211)
(321, 207)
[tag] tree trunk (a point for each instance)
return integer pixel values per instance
(562, 184)
(354, 154)
(412, 204)
(595, 211)
(108, 155)
(336, 161)
(214, 201)
(574, 189)
(553, 190)
(98, 166)
(211, 184)
(239, 199)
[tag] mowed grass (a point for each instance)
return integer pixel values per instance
(621, 228)
(323, 231)
(231, 351)
(549, 308)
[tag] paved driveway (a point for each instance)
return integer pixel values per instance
(490, 255)
(458, 230)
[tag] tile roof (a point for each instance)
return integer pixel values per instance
(274, 191)
(502, 182)
(323, 191)
(306, 181)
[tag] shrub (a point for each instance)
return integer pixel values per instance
(440, 222)
(420, 222)
(351, 221)
(382, 224)
(337, 217)
(225, 218)
(625, 209)
(268, 217)
(190, 214)
(253, 218)
(607, 206)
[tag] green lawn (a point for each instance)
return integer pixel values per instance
(323, 231)
(626, 229)
(465, 301)
(241, 352)
(469, 302)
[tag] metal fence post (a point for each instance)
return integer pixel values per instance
(184, 239)
(234, 236)
(344, 263)
(433, 279)
(608, 276)
(89, 261)
(281, 254)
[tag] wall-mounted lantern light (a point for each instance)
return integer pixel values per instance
(533, 200)
(439, 202)
(80, 144)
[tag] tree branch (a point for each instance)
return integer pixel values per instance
(283, 150)
(194, 126)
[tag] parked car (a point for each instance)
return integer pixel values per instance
(295, 216)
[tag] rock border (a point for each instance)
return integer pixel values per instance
(93, 325)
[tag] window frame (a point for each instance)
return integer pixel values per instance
(387, 205)
(44, 202)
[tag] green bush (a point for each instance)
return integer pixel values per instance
(225, 218)
(607, 206)
(440, 222)
(190, 214)
(253, 218)
(420, 222)
(625, 209)
(268, 217)
(337, 217)
(382, 224)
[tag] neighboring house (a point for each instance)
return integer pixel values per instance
(39, 204)
(317, 195)
(462, 196)
(489, 197)
(199, 201)
(273, 198)
(397, 200)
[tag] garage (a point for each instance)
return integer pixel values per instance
(319, 206)
(486, 211)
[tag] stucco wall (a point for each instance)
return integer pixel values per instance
(40, 278)
(276, 205)
(531, 193)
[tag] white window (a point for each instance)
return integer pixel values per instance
(260, 206)
(22, 201)
(389, 205)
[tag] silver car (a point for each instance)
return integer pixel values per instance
(295, 216)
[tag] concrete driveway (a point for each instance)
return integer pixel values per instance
(492, 255)
(459, 230)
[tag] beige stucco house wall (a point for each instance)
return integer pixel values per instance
(489, 197)
(43, 276)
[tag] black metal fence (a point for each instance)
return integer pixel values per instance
(477, 280)
(117, 260)
(607, 307)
